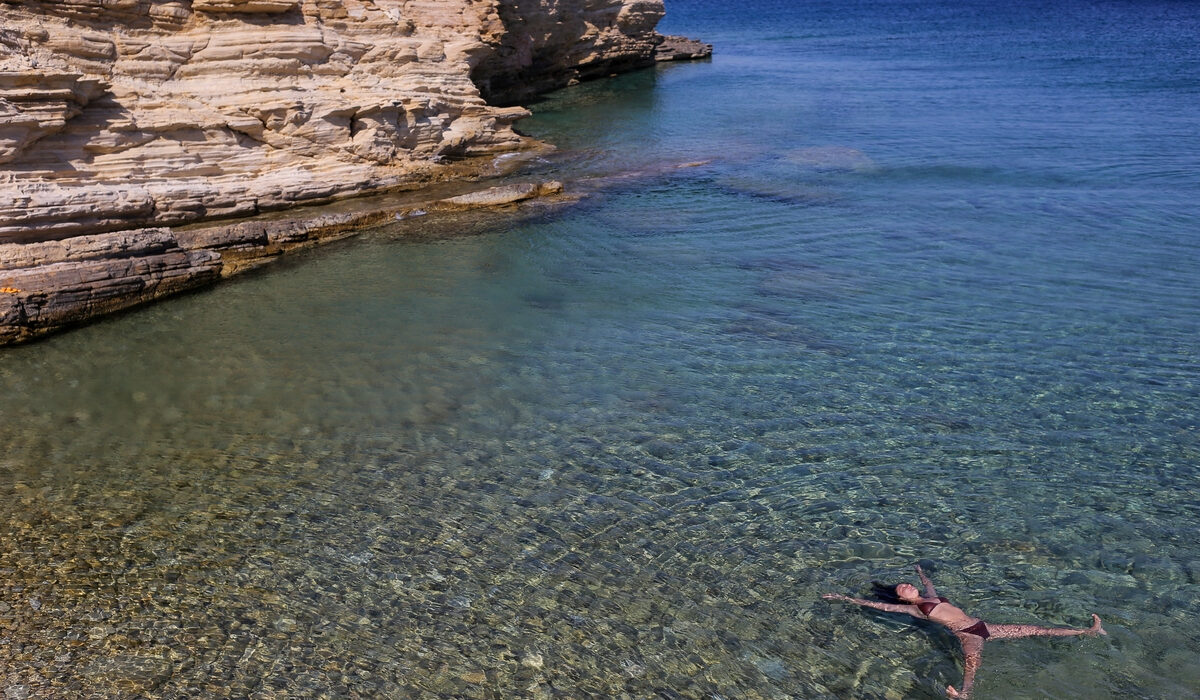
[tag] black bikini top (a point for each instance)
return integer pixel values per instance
(927, 606)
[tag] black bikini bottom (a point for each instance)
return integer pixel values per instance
(979, 629)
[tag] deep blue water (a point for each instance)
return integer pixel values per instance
(932, 295)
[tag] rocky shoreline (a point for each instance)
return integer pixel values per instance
(142, 143)
(52, 285)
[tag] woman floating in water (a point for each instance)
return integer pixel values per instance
(971, 631)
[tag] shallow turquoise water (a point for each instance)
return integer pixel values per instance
(933, 298)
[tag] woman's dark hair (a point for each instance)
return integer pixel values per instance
(885, 592)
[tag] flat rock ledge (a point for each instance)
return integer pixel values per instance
(51, 285)
(681, 48)
(504, 194)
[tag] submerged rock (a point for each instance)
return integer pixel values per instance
(504, 194)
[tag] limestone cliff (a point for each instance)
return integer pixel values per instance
(123, 115)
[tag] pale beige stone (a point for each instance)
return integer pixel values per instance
(117, 114)
(504, 194)
(251, 6)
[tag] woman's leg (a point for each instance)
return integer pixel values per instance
(1018, 631)
(972, 646)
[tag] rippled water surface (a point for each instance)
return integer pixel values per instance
(933, 297)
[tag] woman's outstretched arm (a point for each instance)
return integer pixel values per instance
(888, 607)
(1018, 631)
(930, 591)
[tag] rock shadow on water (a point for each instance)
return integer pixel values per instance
(785, 278)
(832, 159)
(775, 326)
(803, 177)
(545, 300)
(778, 190)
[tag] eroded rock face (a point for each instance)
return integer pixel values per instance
(121, 117)
(681, 48)
(123, 113)
(547, 44)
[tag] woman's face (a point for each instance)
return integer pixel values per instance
(907, 592)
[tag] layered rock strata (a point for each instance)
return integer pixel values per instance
(49, 285)
(121, 120)
(124, 113)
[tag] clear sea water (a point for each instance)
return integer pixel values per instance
(935, 296)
